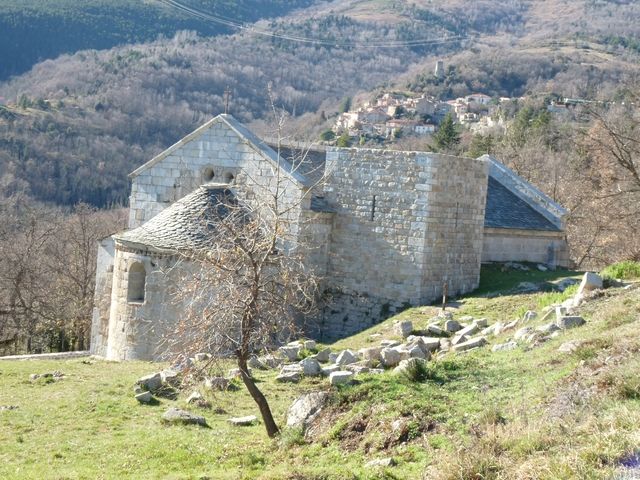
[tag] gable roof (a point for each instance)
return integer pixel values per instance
(506, 210)
(245, 135)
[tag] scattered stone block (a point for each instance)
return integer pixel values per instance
(243, 421)
(547, 328)
(417, 352)
(541, 267)
(323, 355)
(435, 329)
(403, 329)
(326, 371)
(466, 318)
(501, 347)
(470, 330)
(288, 377)
(446, 315)
(431, 344)
(311, 367)
(333, 357)
(150, 382)
(561, 311)
(216, 383)
(510, 325)
(254, 362)
(381, 462)
(523, 332)
(170, 377)
(309, 344)
(175, 415)
(527, 287)
(570, 347)
(389, 343)
(194, 397)
(529, 316)
(144, 397)
(452, 326)
(357, 369)
(469, 344)
(371, 354)
(290, 352)
(570, 322)
(481, 322)
(565, 283)
(341, 377)
(404, 365)
(304, 408)
(390, 357)
(346, 357)
(459, 339)
(590, 281)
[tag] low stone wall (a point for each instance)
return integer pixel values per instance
(49, 356)
(505, 245)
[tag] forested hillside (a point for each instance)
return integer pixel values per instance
(84, 121)
(35, 30)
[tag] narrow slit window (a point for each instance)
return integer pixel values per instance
(137, 283)
(373, 208)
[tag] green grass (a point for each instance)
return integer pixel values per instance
(627, 270)
(526, 413)
(494, 278)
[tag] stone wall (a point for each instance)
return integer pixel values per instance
(505, 245)
(405, 223)
(139, 330)
(102, 298)
(221, 151)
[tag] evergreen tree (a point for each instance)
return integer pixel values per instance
(447, 136)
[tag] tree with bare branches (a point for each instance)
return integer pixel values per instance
(245, 285)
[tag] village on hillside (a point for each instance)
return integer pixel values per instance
(391, 115)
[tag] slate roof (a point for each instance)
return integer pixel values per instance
(309, 162)
(506, 210)
(182, 226)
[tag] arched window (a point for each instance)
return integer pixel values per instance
(228, 177)
(137, 281)
(208, 174)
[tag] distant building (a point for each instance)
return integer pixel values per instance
(439, 70)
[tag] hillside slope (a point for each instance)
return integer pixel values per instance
(35, 30)
(530, 413)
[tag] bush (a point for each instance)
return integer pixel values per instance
(622, 270)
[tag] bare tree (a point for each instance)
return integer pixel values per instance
(246, 284)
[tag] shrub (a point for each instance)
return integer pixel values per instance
(622, 270)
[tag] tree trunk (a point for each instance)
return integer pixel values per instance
(259, 398)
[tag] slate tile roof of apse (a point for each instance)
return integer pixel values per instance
(506, 210)
(181, 226)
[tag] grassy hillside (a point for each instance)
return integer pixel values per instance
(35, 30)
(531, 413)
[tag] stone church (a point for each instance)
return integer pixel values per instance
(389, 227)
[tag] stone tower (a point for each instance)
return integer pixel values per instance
(439, 70)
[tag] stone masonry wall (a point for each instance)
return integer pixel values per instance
(502, 245)
(102, 298)
(138, 330)
(405, 223)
